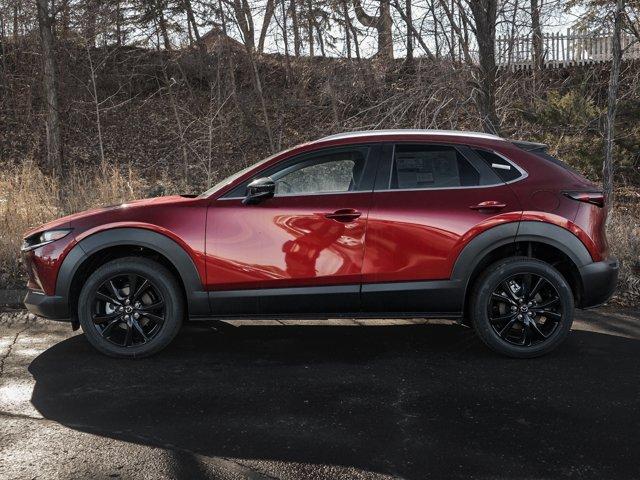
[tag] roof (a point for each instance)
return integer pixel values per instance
(411, 132)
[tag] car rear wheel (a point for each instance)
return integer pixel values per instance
(130, 307)
(522, 307)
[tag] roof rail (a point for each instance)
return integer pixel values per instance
(457, 133)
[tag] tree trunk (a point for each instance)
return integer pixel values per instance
(409, 21)
(244, 19)
(15, 23)
(96, 104)
(453, 36)
(90, 13)
(416, 34)
(118, 24)
(191, 18)
(485, 14)
(310, 27)
(268, 14)
(356, 42)
(296, 28)
(320, 39)
(383, 25)
(435, 29)
(347, 29)
(263, 104)
(65, 21)
(536, 30)
(162, 22)
(54, 144)
(285, 38)
(612, 104)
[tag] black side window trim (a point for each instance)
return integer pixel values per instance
(488, 177)
(486, 172)
(522, 173)
(366, 182)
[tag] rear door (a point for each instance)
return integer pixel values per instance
(300, 252)
(429, 199)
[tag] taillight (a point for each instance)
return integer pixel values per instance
(594, 198)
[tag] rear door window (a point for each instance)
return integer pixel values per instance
(418, 166)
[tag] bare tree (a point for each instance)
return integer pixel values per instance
(409, 22)
(244, 20)
(382, 22)
(310, 28)
(50, 83)
(96, 101)
(268, 15)
(411, 28)
(612, 101)
(480, 17)
(485, 14)
(296, 27)
(90, 21)
(347, 26)
(536, 30)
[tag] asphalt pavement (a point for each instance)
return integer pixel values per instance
(342, 399)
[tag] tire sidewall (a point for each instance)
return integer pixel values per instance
(162, 279)
(499, 273)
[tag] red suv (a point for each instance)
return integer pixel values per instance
(368, 224)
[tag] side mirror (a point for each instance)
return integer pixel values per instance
(259, 190)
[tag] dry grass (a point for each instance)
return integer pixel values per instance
(29, 198)
(624, 239)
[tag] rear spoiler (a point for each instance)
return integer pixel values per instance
(540, 151)
(529, 146)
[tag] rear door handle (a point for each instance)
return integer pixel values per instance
(489, 205)
(344, 215)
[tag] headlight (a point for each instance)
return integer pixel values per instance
(43, 238)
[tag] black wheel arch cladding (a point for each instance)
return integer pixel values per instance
(510, 233)
(165, 246)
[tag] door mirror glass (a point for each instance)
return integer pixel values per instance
(259, 190)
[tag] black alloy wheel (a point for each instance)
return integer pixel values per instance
(131, 307)
(128, 310)
(525, 309)
(522, 307)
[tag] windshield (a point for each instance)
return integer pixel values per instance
(232, 178)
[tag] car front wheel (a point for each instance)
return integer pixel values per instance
(130, 307)
(522, 307)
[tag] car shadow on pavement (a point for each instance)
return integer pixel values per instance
(412, 401)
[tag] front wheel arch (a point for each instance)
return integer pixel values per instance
(101, 247)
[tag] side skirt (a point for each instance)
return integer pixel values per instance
(426, 299)
(332, 316)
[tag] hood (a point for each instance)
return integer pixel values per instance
(122, 210)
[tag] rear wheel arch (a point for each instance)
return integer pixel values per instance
(101, 247)
(540, 240)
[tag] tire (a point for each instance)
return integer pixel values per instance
(132, 323)
(502, 307)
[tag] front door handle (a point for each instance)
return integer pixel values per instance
(344, 215)
(488, 205)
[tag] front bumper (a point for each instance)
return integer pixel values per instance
(599, 281)
(51, 307)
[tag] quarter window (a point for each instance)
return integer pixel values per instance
(431, 166)
(504, 169)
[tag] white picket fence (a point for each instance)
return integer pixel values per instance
(575, 48)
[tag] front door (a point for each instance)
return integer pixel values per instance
(300, 252)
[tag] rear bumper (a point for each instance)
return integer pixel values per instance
(51, 307)
(599, 281)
